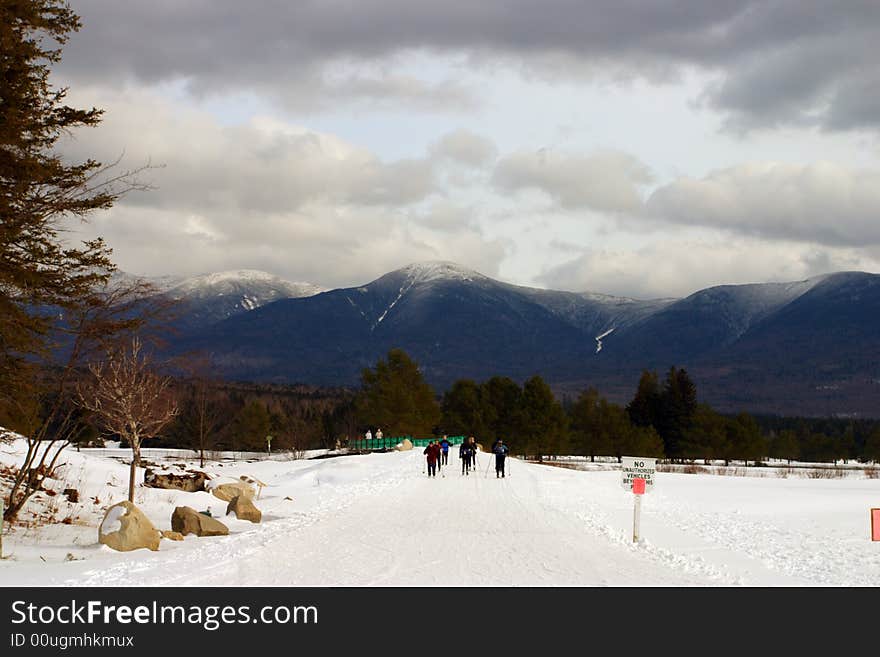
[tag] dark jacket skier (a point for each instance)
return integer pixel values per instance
(432, 451)
(501, 452)
(465, 453)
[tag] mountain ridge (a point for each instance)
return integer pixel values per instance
(800, 346)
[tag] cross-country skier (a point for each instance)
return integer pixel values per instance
(474, 450)
(433, 453)
(465, 453)
(501, 452)
(444, 447)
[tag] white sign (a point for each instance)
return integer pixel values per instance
(637, 466)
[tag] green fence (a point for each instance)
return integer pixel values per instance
(391, 442)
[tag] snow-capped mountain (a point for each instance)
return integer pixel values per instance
(707, 320)
(210, 298)
(773, 347)
(250, 288)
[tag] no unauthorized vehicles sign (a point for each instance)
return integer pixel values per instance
(638, 467)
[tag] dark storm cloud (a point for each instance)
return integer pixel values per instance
(774, 61)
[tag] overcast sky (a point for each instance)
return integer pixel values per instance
(646, 149)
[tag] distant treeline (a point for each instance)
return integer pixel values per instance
(664, 419)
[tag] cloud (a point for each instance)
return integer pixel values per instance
(465, 147)
(388, 91)
(261, 167)
(445, 216)
(605, 181)
(682, 266)
(820, 202)
(787, 61)
(303, 204)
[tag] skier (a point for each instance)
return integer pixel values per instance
(500, 455)
(465, 452)
(433, 452)
(444, 446)
(474, 450)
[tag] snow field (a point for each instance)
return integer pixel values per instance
(378, 520)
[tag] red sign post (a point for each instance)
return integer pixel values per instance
(638, 491)
(875, 524)
(639, 486)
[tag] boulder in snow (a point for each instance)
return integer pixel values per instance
(244, 509)
(172, 536)
(126, 528)
(404, 445)
(186, 520)
(189, 482)
(226, 492)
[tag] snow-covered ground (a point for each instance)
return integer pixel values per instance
(378, 520)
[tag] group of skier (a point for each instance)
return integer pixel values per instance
(437, 455)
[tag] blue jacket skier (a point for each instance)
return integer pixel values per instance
(444, 446)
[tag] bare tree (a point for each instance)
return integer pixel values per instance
(129, 399)
(204, 411)
(48, 416)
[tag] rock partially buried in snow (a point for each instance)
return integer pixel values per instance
(226, 492)
(254, 482)
(404, 445)
(189, 482)
(186, 520)
(126, 528)
(172, 536)
(244, 509)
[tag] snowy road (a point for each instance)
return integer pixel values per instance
(452, 531)
(378, 520)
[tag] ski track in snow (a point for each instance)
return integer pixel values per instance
(378, 520)
(400, 527)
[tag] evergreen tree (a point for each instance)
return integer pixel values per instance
(396, 398)
(643, 410)
(846, 444)
(746, 441)
(871, 451)
(251, 426)
(462, 410)
(544, 424)
(617, 432)
(587, 436)
(706, 438)
(785, 446)
(641, 441)
(501, 401)
(41, 275)
(678, 404)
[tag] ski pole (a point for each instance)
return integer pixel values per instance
(486, 475)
